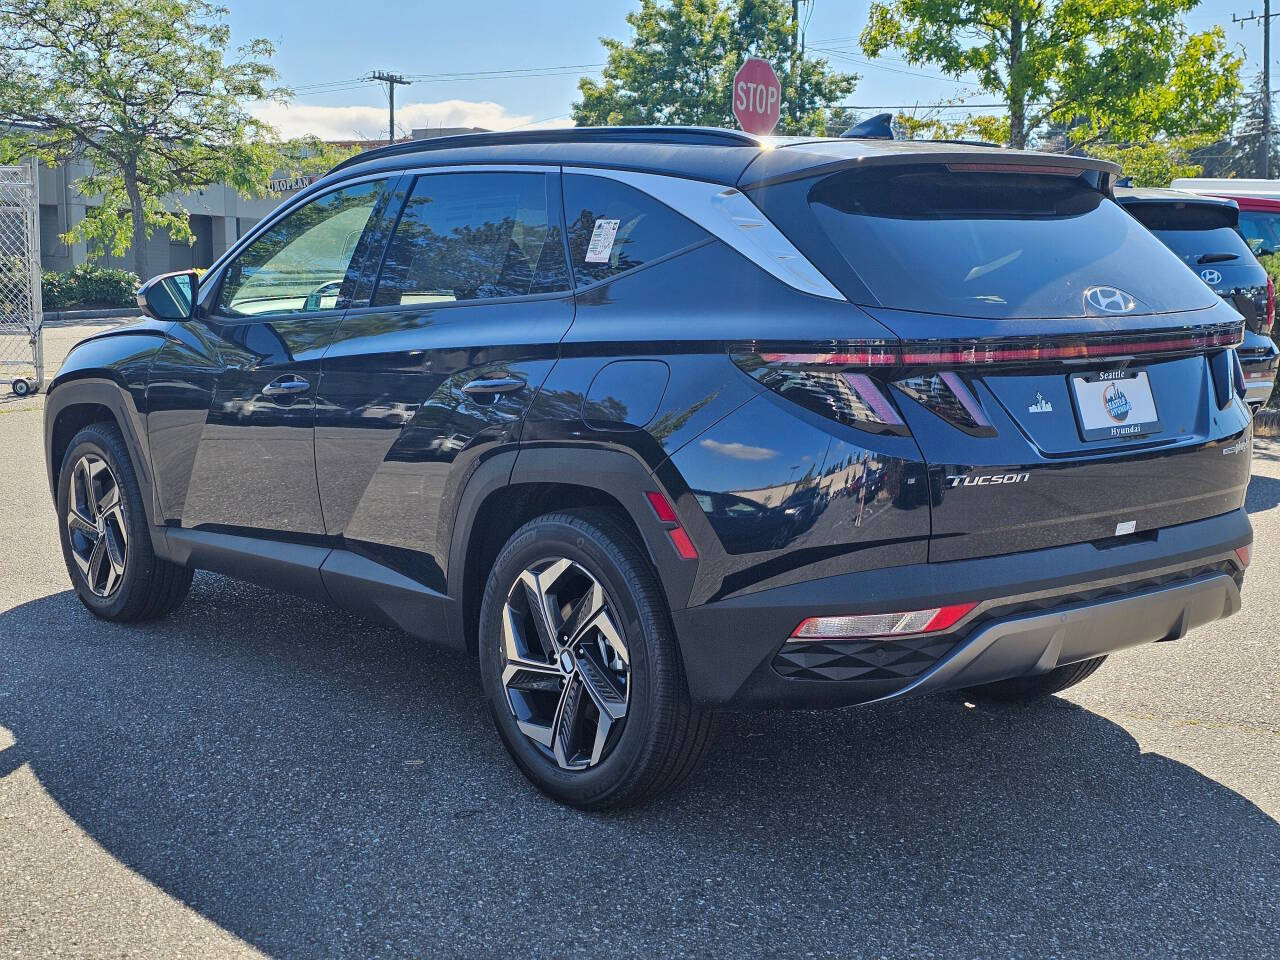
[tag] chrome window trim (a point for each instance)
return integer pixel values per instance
(729, 215)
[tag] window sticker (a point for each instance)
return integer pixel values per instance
(601, 245)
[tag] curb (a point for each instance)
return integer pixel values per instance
(77, 316)
(1266, 422)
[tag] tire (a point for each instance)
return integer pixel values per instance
(20, 387)
(1040, 685)
(134, 584)
(625, 666)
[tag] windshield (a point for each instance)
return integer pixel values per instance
(986, 243)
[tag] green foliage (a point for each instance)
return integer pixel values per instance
(89, 286)
(309, 156)
(144, 91)
(1120, 70)
(678, 67)
(1239, 154)
(1156, 163)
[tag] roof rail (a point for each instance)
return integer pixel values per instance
(701, 136)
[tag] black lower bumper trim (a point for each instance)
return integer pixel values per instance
(730, 646)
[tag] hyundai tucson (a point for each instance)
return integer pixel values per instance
(660, 422)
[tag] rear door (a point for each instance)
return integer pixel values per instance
(463, 325)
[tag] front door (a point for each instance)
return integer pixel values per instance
(233, 396)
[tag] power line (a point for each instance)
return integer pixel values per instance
(1264, 21)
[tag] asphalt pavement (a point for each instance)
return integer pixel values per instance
(258, 773)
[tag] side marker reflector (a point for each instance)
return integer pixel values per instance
(666, 513)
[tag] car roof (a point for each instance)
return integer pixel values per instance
(712, 154)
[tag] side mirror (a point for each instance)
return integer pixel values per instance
(170, 296)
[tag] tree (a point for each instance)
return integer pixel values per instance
(1239, 154)
(146, 93)
(678, 67)
(1156, 163)
(1127, 68)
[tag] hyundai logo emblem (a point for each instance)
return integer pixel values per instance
(1109, 299)
(1211, 277)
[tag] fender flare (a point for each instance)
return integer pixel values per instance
(106, 392)
(620, 475)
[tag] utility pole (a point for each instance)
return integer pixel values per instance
(1265, 22)
(393, 80)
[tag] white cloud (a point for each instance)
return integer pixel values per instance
(739, 451)
(353, 123)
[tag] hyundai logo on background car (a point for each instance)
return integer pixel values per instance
(1211, 277)
(1109, 299)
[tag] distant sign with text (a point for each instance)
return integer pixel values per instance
(757, 97)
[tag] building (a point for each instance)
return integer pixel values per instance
(218, 215)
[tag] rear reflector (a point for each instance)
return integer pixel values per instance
(882, 624)
(667, 514)
(1245, 554)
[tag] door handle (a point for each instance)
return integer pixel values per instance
(284, 386)
(489, 386)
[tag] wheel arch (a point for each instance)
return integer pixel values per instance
(543, 480)
(71, 405)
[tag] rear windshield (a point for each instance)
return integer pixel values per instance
(1198, 247)
(994, 244)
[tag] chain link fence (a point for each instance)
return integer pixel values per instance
(21, 317)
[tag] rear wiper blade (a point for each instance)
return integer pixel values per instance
(1216, 257)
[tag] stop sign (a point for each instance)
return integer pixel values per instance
(757, 96)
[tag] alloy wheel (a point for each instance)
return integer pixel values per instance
(96, 525)
(566, 670)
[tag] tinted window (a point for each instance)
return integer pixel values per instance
(300, 263)
(473, 236)
(1261, 230)
(629, 228)
(1221, 244)
(993, 244)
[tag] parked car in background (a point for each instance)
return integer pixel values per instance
(1205, 233)
(1259, 203)
(656, 422)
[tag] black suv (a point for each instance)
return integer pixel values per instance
(1205, 233)
(657, 422)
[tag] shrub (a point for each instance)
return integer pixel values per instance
(89, 285)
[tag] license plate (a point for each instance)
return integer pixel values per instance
(1114, 404)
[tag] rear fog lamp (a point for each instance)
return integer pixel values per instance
(882, 624)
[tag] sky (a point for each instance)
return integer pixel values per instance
(502, 64)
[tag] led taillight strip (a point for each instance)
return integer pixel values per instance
(982, 352)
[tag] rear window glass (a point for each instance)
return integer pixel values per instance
(1261, 230)
(994, 244)
(1195, 247)
(614, 227)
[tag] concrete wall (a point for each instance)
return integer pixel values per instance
(218, 217)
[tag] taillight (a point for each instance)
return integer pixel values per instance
(834, 385)
(949, 397)
(1271, 306)
(882, 624)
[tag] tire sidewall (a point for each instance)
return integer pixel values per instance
(98, 441)
(584, 543)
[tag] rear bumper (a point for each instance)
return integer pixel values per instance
(1038, 610)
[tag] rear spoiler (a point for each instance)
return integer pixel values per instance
(816, 158)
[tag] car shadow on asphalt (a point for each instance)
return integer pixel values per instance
(1263, 493)
(318, 785)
